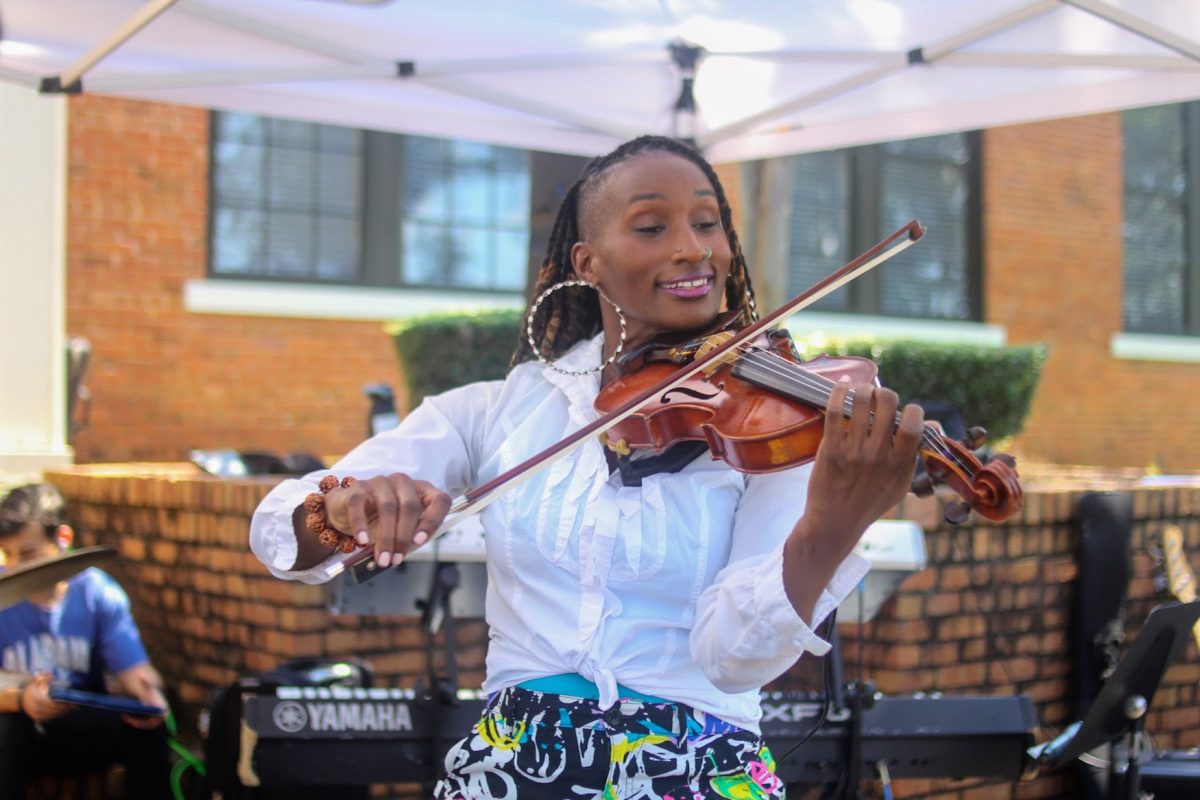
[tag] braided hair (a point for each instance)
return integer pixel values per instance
(572, 314)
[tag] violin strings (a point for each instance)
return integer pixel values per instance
(798, 376)
(820, 387)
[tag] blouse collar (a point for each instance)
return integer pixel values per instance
(580, 390)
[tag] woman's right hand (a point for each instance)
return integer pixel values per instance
(394, 513)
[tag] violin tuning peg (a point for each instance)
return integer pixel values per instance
(956, 513)
(1006, 459)
(922, 485)
(975, 437)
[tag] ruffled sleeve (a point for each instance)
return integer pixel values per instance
(746, 632)
(438, 442)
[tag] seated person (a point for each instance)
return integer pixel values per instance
(79, 633)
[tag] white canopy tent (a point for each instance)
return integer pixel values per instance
(744, 78)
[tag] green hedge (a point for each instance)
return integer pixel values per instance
(442, 351)
(993, 386)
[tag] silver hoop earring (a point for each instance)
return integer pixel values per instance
(707, 254)
(533, 312)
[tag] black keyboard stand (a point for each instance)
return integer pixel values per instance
(441, 691)
(847, 701)
(1119, 710)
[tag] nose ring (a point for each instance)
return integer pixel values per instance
(707, 254)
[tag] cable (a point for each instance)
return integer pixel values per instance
(826, 677)
(885, 779)
(186, 759)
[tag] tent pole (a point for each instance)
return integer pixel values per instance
(144, 16)
(989, 28)
(1139, 26)
(271, 32)
(686, 58)
(898, 63)
(246, 77)
(1070, 61)
(17, 76)
(522, 105)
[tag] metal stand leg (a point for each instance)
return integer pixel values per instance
(442, 691)
(1128, 786)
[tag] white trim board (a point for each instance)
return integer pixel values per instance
(313, 301)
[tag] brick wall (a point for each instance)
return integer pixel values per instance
(1053, 273)
(990, 614)
(164, 380)
(208, 609)
(993, 615)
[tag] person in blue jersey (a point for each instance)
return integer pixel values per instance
(78, 634)
(637, 601)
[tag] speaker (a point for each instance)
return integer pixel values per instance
(1106, 525)
(1172, 775)
(1098, 616)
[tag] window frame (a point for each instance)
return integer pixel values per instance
(864, 210)
(210, 225)
(380, 263)
(1190, 113)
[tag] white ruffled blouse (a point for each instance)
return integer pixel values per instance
(673, 588)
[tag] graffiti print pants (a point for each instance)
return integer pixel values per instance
(537, 746)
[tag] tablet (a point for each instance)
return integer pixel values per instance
(108, 702)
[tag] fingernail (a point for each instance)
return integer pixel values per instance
(399, 558)
(363, 538)
(384, 559)
(420, 538)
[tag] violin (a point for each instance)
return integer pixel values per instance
(991, 489)
(761, 409)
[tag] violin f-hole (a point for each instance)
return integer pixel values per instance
(695, 394)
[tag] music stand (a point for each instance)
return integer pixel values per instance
(1120, 708)
(17, 584)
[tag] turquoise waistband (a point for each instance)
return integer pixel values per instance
(573, 684)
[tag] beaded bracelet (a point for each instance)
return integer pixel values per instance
(318, 523)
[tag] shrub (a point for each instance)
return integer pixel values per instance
(445, 350)
(992, 386)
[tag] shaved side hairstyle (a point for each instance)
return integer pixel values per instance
(572, 314)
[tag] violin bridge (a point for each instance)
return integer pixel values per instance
(620, 446)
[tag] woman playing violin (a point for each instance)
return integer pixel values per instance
(634, 614)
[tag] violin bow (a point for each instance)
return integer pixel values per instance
(475, 500)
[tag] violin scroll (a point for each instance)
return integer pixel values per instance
(992, 489)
